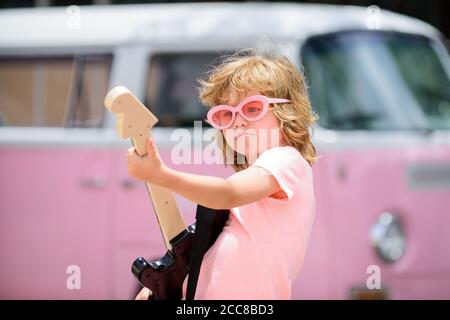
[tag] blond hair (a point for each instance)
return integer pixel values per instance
(274, 76)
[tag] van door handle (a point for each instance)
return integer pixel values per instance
(131, 184)
(95, 182)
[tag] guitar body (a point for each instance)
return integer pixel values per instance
(165, 276)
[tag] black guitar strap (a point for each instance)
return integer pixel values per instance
(209, 224)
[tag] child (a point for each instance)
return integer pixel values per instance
(271, 199)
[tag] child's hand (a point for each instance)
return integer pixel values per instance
(144, 294)
(149, 168)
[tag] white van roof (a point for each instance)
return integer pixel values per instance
(117, 24)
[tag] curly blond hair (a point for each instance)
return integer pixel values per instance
(274, 76)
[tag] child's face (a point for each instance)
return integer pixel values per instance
(251, 138)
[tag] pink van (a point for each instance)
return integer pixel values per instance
(72, 221)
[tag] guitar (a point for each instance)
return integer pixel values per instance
(165, 276)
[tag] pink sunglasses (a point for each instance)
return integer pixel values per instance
(251, 108)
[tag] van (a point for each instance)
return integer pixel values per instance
(71, 219)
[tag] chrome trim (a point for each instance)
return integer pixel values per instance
(324, 140)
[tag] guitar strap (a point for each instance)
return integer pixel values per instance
(209, 224)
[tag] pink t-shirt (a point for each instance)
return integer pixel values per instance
(261, 248)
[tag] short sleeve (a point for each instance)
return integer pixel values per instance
(287, 166)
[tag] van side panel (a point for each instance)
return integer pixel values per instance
(53, 216)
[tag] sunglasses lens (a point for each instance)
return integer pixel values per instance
(253, 109)
(222, 118)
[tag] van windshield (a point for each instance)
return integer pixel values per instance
(376, 81)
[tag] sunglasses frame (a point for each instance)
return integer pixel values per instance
(265, 102)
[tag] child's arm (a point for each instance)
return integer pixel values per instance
(217, 193)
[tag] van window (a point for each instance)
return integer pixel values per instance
(53, 91)
(172, 87)
(376, 81)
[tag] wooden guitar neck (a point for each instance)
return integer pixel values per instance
(134, 120)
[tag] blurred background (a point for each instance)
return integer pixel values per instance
(435, 12)
(378, 72)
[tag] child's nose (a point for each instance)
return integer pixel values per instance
(239, 121)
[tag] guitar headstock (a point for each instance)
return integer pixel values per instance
(133, 119)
